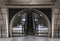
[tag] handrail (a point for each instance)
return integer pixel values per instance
(25, 24)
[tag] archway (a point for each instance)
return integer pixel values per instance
(40, 21)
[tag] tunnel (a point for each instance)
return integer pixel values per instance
(29, 21)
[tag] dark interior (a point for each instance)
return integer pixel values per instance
(29, 30)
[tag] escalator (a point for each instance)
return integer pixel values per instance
(31, 22)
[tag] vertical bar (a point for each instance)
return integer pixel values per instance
(53, 23)
(26, 22)
(33, 23)
(7, 20)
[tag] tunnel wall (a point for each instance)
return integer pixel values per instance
(13, 11)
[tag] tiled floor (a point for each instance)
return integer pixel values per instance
(54, 39)
(30, 38)
(5, 39)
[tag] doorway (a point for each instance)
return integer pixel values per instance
(29, 22)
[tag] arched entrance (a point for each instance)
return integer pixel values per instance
(29, 22)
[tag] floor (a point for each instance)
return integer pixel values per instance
(30, 38)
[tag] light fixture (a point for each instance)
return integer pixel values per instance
(41, 15)
(36, 20)
(23, 19)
